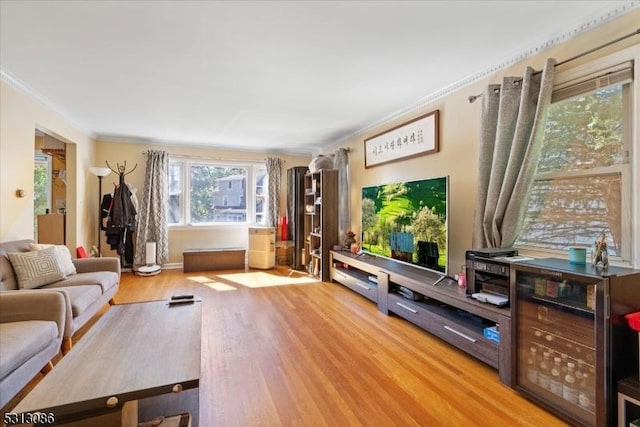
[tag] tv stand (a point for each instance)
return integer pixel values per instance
(446, 311)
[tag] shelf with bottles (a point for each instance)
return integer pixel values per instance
(569, 384)
(578, 296)
(555, 322)
(560, 338)
(570, 349)
(560, 309)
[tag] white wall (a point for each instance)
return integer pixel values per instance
(181, 238)
(20, 115)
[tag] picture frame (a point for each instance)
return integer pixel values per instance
(417, 137)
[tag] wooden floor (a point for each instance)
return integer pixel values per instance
(280, 350)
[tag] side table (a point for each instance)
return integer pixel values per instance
(628, 401)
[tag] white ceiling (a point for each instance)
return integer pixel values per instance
(267, 75)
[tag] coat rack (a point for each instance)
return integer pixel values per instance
(123, 223)
(121, 169)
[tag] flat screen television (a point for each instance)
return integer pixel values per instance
(407, 222)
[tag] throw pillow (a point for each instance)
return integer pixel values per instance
(63, 256)
(36, 268)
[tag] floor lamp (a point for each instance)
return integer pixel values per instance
(100, 172)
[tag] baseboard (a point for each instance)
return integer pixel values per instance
(169, 266)
(172, 266)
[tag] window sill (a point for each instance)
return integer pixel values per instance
(550, 253)
(201, 227)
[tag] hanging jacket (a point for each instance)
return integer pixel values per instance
(123, 213)
(122, 219)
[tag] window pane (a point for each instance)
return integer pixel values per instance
(41, 184)
(574, 211)
(578, 189)
(175, 193)
(584, 132)
(217, 194)
(261, 195)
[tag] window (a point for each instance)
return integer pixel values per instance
(176, 184)
(216, 193)
(583, 181)
(41, 187)
(42, 184)
(261, 185)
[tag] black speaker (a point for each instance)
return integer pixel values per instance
(428, 254)
(295, 213)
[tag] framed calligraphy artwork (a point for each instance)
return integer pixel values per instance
(415, 138)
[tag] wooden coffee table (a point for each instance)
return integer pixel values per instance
(138, 362)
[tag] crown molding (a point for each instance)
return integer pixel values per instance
(40, 99)
(125, 139)
(615, 12)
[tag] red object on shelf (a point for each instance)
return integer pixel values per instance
(80, 252)
(634, 320)
(284, 230)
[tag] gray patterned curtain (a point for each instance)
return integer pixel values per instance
(341, 163)
(274, 171)
(154, 203)
(511, 133)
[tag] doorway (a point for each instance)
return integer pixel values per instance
(50, 189)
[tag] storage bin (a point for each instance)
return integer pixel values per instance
(492, 333)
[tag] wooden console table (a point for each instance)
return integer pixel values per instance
(446, 312)
(138, 362)
(213, 259)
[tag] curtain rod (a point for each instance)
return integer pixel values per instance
(215, 159)
(472, 98)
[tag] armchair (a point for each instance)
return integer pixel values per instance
(32, 326)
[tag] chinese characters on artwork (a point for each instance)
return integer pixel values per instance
(420, 136)
(397, 144)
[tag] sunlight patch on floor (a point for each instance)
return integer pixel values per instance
(200, 279)
(212, 283)
(263, 279)
(219, 286)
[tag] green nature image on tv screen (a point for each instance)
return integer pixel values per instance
(407, 221)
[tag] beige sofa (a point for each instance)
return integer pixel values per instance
(32, 326)
(95, 283)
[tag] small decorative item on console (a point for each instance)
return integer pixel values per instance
(349, 239)
(600, 255)
(462, 277)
